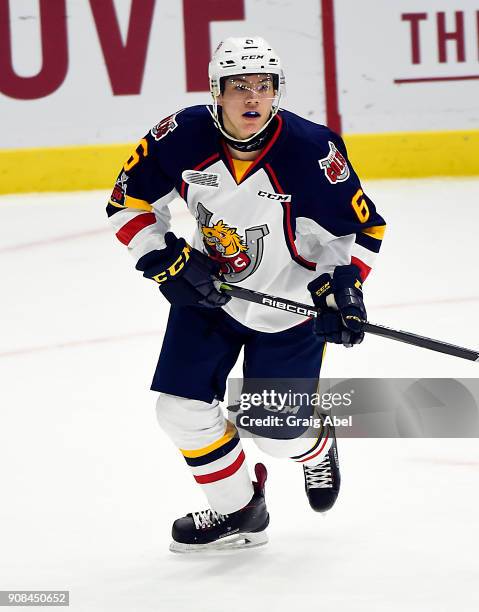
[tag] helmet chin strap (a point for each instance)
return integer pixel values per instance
(253, 143)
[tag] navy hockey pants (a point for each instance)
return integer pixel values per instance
(202, 345)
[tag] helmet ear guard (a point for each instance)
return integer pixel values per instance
(215, 87)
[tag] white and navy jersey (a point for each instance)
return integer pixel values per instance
(273, 224)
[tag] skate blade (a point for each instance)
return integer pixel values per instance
(234, 542)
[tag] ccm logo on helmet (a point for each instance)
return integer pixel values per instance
(280, 197)
(252, 57)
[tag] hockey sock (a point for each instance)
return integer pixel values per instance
(211, 447)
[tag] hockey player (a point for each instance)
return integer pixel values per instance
(279, 209)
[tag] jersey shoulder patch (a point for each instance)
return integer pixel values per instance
(192, 118)
(165, 126)
(334, 165)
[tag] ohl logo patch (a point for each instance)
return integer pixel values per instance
(165, 126)
(334, 165)
(238, 257)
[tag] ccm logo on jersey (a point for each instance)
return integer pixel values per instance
(280, 197)
(334, 165)
(289, 307)
(206, 179)
(165, 126)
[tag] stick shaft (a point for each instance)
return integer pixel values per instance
(372, 328)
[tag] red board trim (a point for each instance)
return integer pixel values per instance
(333, 117)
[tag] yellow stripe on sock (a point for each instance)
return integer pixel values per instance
(229, 433)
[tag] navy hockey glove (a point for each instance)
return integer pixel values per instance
(185, 275)
(343, 325)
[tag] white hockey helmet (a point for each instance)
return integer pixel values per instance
(249, 56)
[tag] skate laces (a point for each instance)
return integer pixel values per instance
(319, 476)
(207, 518)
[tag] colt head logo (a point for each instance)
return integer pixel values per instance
(238, 257)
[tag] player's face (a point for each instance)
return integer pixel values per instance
(246, 103)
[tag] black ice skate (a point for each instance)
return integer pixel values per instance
(209, 530)
(322, 481)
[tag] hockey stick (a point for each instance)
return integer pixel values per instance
(371, 328)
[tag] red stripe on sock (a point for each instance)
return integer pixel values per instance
(224, 473)
(315, 454)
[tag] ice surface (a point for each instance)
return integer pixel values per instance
(90, 485)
